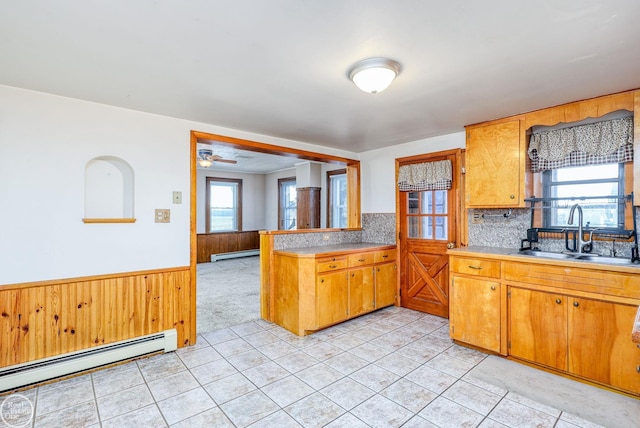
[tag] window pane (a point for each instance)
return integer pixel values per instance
(587, 181)
(288, 207)
(338, 202)
(223, 206)
(590, 172)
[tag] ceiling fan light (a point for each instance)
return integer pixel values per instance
(374, 75)
(205, 163)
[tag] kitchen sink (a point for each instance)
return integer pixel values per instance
(591, 258)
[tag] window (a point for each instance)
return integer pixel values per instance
(427, 215)
(224, 205)
(288, 208)
(589, 182)
(337, 199)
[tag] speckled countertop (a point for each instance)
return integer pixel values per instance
(511, 254)
(340, 248)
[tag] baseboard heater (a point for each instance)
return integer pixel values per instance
(61, 365)
(234, 254)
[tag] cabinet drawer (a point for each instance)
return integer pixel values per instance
(613, 283)
(478, 267)
(327, 264)
(361, 259)
(385, 256)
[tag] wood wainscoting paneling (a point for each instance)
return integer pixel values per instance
(226, 242)
(44, 319)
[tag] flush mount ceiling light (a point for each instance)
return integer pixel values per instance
(374, 75)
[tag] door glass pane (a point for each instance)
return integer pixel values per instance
(413, 227)
(427, 203)
(413, 202)
(427, 228)
(441, 228)
(441, 201)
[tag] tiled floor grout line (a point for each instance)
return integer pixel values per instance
(343, 351)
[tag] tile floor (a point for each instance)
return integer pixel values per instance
(358, 374)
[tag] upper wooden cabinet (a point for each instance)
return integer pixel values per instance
(496, 154)
(495, 170)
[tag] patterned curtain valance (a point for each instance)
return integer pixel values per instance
(610, 141)
(425, 176)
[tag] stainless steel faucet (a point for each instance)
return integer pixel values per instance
(581, 242)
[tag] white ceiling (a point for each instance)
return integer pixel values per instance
(279, 67)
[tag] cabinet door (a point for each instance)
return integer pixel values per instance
(600, 346)
(331, 298)
(494, 166)
(386, 280)
(361, 294)
(474, 313)
(538, 327)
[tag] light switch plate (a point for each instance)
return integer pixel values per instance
(163, 216)
(177, 197)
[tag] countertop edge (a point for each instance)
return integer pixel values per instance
(332, 249)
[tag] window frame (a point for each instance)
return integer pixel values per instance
(627, 188)
(237, 208)
(330, 206)
(281, 182)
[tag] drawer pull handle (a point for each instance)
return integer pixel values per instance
(475, 267)
(360, 260)
(558, 301)
(333, 266)
(385, 256)
(576, 304)
(493, 287)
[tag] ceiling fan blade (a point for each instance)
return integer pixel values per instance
(226, 160)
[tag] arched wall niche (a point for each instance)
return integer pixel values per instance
(109, 191)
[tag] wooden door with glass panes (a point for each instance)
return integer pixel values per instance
(427, 229)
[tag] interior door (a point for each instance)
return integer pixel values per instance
(428, 223)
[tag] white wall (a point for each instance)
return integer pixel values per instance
(45, 143)
(253, 216)
(378, 169)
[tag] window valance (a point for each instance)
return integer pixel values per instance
(609, 141)
(425, 176)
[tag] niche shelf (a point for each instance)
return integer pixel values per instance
(109, 191)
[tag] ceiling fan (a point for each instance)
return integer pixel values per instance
(206, 158)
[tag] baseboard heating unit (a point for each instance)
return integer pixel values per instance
(49, 368)
(234, 254)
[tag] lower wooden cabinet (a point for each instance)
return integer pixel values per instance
(316, 292)
(385, 284)
(475, 317)
(585, 337)
(538, 327)
(576, 320)
(332, 298)
(361, 291)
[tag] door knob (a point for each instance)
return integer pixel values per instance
(451, 245)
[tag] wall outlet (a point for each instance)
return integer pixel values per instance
(326, 237)
(163, 216)
(476, 218)
(177, 197)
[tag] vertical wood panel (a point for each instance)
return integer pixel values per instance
(217, 243)
(41, 321)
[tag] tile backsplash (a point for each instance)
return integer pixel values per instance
(496, 230)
